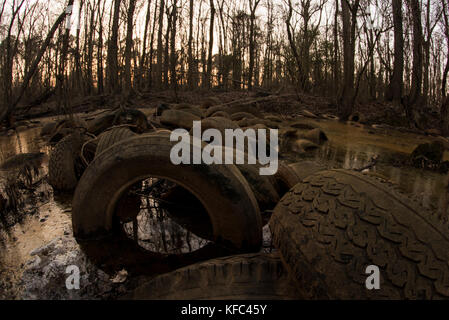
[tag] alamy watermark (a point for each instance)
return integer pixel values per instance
(373, 17)
(72, 282)
(373, 280)
(68, 18)
(224, 151)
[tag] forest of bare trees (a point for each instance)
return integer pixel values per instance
(352, 51)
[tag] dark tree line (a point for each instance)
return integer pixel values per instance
(354, 51)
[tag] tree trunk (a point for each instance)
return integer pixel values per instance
(300, 75)
(173, 57)
(252, 43)
(397, 82)
(143, 56)
(159, 45)
(189, 49)
(100, 85)
(336, 62)
(445, 98)
(349, 18)
(211, 44)
(167, 45)
(415, 96)
(112, 69)
(150, 69)
(128, 46)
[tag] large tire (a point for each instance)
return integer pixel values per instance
(133, 117)
(65, 127)
(262, 186)
(113, 136)
(178, 119)
(219, 123)
(241, 277)
(101, 123)
(334, 224)
(289, 175)
(62, 173)
(222, 190)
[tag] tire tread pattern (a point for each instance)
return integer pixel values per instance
(247, 276)
(350, 228)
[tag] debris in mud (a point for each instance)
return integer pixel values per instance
(33, 160)
(120, 276)
(20, 192)
(45, 274)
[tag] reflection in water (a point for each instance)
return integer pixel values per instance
(357, 150)
(22, 142)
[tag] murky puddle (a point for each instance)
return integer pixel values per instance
(353, 147)
(50, 220)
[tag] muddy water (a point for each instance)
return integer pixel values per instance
(26, 141)
(354, 147)
(50, 221)
(349, 147)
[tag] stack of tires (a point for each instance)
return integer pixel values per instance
(329, 226)
(76, 145)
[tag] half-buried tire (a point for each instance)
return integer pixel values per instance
(335, 224)
(64, 162)
(240, 277)
(111, 137)
(222, 190)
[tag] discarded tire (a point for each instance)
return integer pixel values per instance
(48, 128)
(336, 223)
(133, 117)
(111, 118)
(242, 115)
(178, 119)
(304, 169)
(262, 186)
(101, 123)
(286, 178)
(218, 123)
(288, 175)
(195, 110)
(64, 127)
(111, 137)
(221, 114)
(63, 162)
(241, 277)
(222, 190)
(231, 109)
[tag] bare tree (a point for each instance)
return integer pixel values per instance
(349, 19)
(112, 66)
(189, 49)
(143, 55)
(128, 46)
(173, 55)
(397, 81)
(445, 97)
(6, 111)
(211, 44)
(159, 45)
(252, 41)
(300, 77)
(415, 97)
